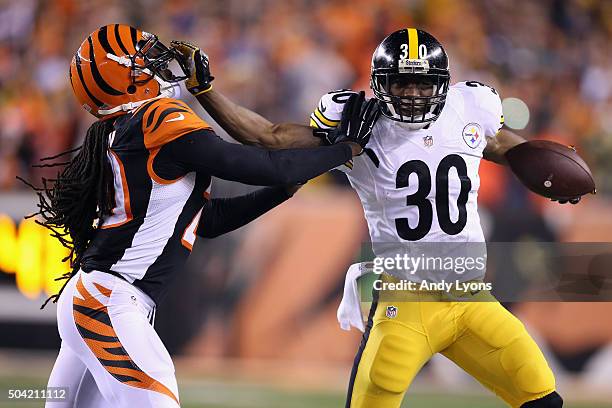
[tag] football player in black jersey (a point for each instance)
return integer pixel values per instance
(130, 204)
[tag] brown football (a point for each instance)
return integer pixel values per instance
(551, 169)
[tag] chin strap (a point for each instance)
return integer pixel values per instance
(126, 106)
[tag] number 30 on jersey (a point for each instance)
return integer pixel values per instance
(420, 200)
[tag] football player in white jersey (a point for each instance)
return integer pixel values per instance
(418, 183)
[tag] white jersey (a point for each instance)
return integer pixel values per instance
(421, 186)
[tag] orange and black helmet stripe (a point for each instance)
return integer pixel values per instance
(95, 327)
(100, 82)
(97, 77)
(126, 37)
(103, 39)
(82, 84)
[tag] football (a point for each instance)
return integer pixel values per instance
(551, 169)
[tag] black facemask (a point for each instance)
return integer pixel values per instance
(158, 59)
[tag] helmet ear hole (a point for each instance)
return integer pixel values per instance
(131, 89)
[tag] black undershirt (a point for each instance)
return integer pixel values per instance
(204, 152)
(222, 215)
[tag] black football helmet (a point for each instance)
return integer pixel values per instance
(410, 56)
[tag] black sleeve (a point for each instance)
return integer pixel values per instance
(204, 151)
(222, 215)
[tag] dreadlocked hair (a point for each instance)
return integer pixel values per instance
(82, 193)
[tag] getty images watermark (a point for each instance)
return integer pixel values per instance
(431, 273)
(510, 271)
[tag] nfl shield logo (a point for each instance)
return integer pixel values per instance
(428, 141)
(391, 312)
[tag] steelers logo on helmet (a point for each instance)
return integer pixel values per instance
(117, 68)
(410, 59)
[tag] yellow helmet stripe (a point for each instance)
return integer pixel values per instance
(413, 43)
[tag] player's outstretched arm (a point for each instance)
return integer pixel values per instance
(250, 128)
(240, 123)
(498, 145)
(203, 151)
(222, 215)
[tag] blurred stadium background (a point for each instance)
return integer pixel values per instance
(251, 321)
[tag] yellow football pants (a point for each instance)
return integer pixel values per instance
(481, 337)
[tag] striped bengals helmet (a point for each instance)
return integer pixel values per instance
(117, 68)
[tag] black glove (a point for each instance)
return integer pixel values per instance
(574, 200)
(358, 119)
(196, 65)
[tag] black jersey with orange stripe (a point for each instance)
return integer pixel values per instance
(152, 228)
(163, 156)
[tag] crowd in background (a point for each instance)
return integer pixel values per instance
(278, 57)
